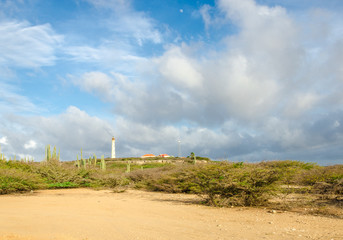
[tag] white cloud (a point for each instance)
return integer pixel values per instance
(179, 69)
(96, 82)
(69, 131)
(336, 124)
(301, 103)
(11, 101)
(4, 140)
(205, 14)
(25, 45)
(30, 145)
(128, 22)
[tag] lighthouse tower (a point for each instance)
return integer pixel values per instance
(113, 153)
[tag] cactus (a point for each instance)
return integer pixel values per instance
(54, 156)
(78, 161)
(47, 153)
(103, 163)
(84, 162)
(59, 154)
(95, 159)
(15, 157)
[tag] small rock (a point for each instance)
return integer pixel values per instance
(272, 211)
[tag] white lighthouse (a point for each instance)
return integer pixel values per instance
(113, 153)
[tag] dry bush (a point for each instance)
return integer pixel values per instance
(16, 180)
(330, 174)
(147, 177)
(55, 173)
(324, 180)
(108, 179)
(221, 184)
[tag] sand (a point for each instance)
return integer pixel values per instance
(88, 214)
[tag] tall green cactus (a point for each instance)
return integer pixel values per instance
(95, 159)
(84, 162)
(48, 153)
(59, 154)
(54, 155)
(103, 163)
(78, 161)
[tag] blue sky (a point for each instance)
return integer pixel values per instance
(240, 80)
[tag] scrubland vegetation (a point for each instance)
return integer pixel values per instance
(282, 185)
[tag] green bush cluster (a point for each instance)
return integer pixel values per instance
(219, 183)
(17, 180)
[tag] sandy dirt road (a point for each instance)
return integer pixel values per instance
(101, 215)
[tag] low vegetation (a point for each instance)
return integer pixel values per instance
(283, 185)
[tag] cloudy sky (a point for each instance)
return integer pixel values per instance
(240, 80)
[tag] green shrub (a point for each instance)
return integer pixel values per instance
(284, 164)
(17, 165)
(15, 180)
(63, 185)
(55, 173)
(330, 174)
(221, 184)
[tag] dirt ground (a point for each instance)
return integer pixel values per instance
(89, 214)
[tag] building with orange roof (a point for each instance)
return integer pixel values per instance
(148, 156)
